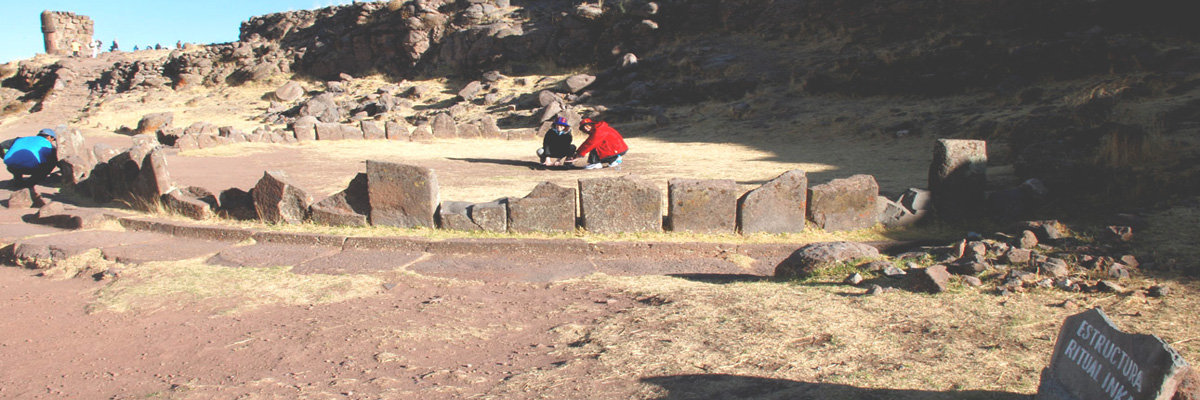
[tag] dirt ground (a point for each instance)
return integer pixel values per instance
(159, 331)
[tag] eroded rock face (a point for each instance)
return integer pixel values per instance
(778, 206)
(616, 205)
(401, 195)
(277, 200)
(844, 204)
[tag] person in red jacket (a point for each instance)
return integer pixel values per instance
(604, 145)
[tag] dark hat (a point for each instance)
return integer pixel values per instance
(562, 121)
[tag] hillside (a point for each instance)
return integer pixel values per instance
(1096, 98)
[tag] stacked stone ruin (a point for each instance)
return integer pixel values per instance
(61, 28)
(407, 196)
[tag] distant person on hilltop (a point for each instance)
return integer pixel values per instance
(94, 46)
(556, 145)
(35, 156)
(75, 48)
(135, 48)
(604, 145)
(115, 46)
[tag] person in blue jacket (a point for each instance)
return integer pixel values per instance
(35, 156)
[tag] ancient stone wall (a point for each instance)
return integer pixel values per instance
(61, 28)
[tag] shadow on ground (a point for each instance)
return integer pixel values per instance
(718, 386)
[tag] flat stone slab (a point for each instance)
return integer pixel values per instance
(270, 255)
(13, 232)
(544, 268)
(356, 262)
(46, 250)
(167, 249)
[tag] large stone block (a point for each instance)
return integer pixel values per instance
(151, 123)
(702, 206)
(844, 204)
(958, 178)
(401, 195)
(192, 202)
(816, 256)
(453, 215)
(237, 204)
(349, 207)
(277, 200)
(444, 127)
(329, 131)
(153, 180)
(624, 204)
(491, 216)
(778, 206)
(548, 208)
(305, 128)
(371, 130)
(289, 92)
(398, 130)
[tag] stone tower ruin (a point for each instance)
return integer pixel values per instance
(60, 28)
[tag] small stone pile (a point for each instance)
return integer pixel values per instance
(1033, 254)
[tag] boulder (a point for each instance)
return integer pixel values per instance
(916, 200)
(777, 206)
(422, 133)
(453, 215)
(305, 128)
(491, 216)
(1028, 240)
(932, 279)
(151, 123)
(469, 131)
(702, 206)
(401, 195)
(323, 107)
(1055, 268)
(277, 200)
(329, 131)
(548, 208)
(444, 127)
(187, 142)
(618, 205)
(812, 257)
(349, 207)
(289, 92)
(472, 89)
(577, 83)
(1017, 256)
(75, 170)
(237, 204)
(397, 130)
(201, 128)
(25, 198)
(192, 202)
(844, 204)
(372, 131)
(153, 180)
(958, 178)
(488, 128)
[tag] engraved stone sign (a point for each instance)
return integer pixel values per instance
(1093, 360)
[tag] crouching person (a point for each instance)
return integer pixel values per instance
(603, 147)
(556, 145)
(35, 156)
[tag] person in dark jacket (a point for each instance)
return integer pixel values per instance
(604, 145)
(556, 145)
(35, 156)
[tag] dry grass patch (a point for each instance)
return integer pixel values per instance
(792, 336)
(160, 284)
